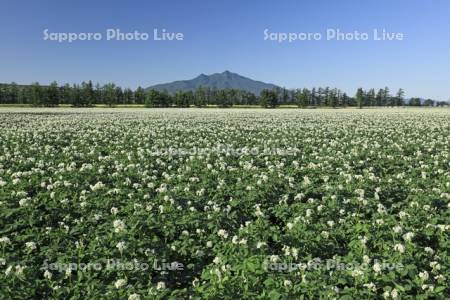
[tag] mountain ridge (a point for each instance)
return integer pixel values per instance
(218, 81)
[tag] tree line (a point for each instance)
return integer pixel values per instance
(87, 94)
(80, 95)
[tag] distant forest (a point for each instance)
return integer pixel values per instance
(86, 94)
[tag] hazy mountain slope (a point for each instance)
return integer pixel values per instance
(218, 80)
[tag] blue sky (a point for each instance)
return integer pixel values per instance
(228, 35)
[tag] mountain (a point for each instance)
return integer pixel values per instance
(218, 81)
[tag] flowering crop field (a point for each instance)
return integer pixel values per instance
(224, 204)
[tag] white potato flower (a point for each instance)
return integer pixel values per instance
(161, 285)
(5, 240)
(30, 246)
(120, 283)
(134, 297)
(119, 226)
(400, 248)
(121, 246)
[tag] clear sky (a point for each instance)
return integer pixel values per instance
(229, 35)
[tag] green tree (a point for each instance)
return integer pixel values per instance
(36, 94)
(128, 96)
(76, 96)
(87, 94)
(387, 99)
(2, 94)
(110, 95)
(313, 97)
(188, 98)
(119, 95)
(370, 98)
(415, 102)
(24, 95)
(345, 100)
(379, 97)
(167, 99)
(333, 97)
(400, 98)
(52, 95)
(65, 94)
(320, 96)
(248, 98)
(302, 97)
(284, 96)
(428, 102)
(200, 97)
(13, 93)
(223, 98)
(179, 98)
(268, 98)
(152, 98)
(139, 95)
(156, 98)
(360, 97)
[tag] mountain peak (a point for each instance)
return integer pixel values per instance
(218, 81)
